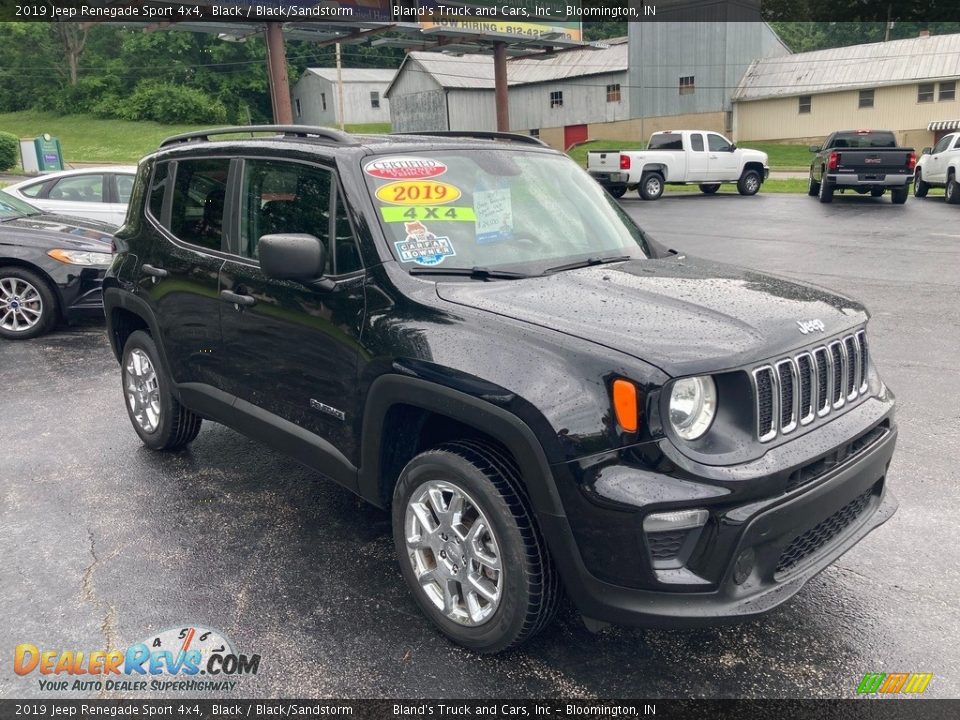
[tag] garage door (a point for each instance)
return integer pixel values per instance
(573, 134)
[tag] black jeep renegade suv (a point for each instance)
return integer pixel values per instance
(470, 332)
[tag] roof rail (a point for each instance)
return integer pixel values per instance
(303, 131)
(481, 134)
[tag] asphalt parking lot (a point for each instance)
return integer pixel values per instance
(105, 542)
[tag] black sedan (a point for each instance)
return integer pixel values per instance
(51, 267)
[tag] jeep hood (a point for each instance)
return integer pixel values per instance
(685, 315)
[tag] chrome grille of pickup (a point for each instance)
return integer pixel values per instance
(796, 390)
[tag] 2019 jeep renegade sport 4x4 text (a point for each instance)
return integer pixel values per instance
(472, 333)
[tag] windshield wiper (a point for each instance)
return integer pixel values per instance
(480, 273)
(587, 263)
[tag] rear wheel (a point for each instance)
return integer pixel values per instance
(749, 183)
(898, 195)
(157, 416)
(920, 188)
(709, 188)
(826, 191)
(951, 192)
(651, 186)
(469, 548)
(28, 307)
(813, 187)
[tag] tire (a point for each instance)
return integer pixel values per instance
(488, 483)
(709, 189)
(156, 415)
(651, 186)
(826, 191)
(617, 191)
(813, 187)
(951, 192)
(877, 192)
(920, 188)
(898, 195)
(749, 182)
(28, 306)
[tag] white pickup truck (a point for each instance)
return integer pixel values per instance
(940, 167)
(679, 157)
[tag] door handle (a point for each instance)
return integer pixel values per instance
(237, 298)
(713, 157)
(154, 271)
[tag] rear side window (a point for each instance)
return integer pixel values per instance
(124, 187)
(199, 198)
(158, 187)
(696, 142)
(32, 191)
(666, 141)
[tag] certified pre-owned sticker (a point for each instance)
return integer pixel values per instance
(418, 192)
(404, 168)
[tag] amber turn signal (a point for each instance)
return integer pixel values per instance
(625, 405)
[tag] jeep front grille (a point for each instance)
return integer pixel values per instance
(796, 390)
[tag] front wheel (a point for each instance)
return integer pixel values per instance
(28, 307)
(157, 416)
(469, 548)
(651, 186)
(898, 195)
(920, 188)
(951, 193)
(709, 189)
(749, 183)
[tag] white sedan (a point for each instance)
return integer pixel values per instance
(94, 193)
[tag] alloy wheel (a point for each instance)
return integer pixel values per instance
(142, 390)
(454, 553)
(21, 306)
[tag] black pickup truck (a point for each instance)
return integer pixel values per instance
(865, 161)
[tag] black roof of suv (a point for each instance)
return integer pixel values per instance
(472, 333)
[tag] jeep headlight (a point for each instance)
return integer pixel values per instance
(693, 405)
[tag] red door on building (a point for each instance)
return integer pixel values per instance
(574, 134)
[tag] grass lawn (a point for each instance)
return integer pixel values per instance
(782, 157)
(89, 140)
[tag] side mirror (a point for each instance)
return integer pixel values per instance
(292, 256)
(814, 148)
(732, 148)
(925, 151)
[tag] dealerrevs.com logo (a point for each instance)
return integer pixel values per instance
(187, 658)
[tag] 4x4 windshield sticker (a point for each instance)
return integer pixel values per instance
(494, 211)
(418, 192)
(405, 168)
(422, 246)
(394, 214)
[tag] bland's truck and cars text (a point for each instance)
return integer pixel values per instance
(471, 333)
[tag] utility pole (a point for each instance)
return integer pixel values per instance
(500, 86)
(339, 90)
(277, 74)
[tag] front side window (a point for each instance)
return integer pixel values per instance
(556, 99)
(865, 99)
(516, 210)
(199, 199)
(948, 91)
(718, 143)
(78, 188)
(925, 92)
(803, 106)
(941, 145)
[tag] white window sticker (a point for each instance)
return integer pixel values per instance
(494, 211)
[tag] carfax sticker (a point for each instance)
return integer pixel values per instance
(404, 168)
(418, 192)
(422, 246)
(441, 214)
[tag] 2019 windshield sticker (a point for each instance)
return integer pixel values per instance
(405, 168)
(418, 192)
(422, 246)
(394, 214)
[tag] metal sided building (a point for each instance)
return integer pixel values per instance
(315, 96)
(908, 86)
(559, 96)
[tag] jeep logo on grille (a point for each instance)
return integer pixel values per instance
(809, 326)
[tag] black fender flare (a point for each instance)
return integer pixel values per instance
(500, 424)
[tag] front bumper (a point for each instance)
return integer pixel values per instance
(81, 293)
(754, 554)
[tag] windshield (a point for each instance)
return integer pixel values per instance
(496, 209)
(11, 207)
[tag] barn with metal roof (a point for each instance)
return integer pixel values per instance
(315, 96)
(908, 86)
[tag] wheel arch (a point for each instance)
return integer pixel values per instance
(404, 416)
(753, 165)
(655, 167)
(125, 314)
